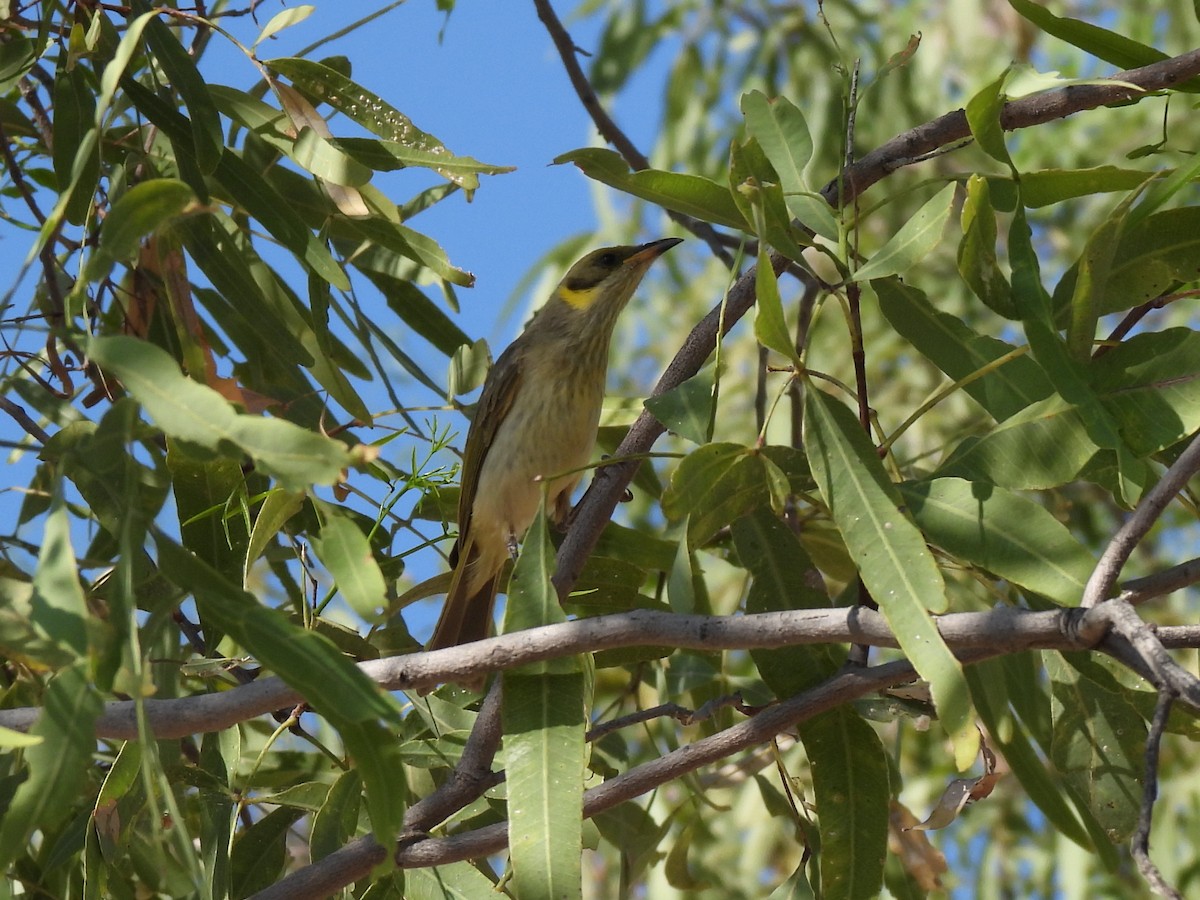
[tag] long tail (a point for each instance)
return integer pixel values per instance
(467, 615)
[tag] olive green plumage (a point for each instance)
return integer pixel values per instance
(536, 419)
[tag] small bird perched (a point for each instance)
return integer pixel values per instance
(536, 419)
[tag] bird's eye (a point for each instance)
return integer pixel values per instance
(608, 260)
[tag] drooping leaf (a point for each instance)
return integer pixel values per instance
(893, 561)
(953, 347)
(189, 411)
(692, 195)
(346, 552)
(544, 726)
(58, 765)
(1099, 747)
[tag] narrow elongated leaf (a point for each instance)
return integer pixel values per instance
(76, 159)
(181, 72)
(1037, 780)
(687, 410)
(281, 20)
(949, 344)
(1049, 186)
(246, 188)
(544, 761)
(781, 131)
(189, 411)
(1151, 386)
(346, 552)
(918, 236)
(892, 558)
(851, 783)
(983, 117)
(141, 211)
(977, 262)
(1099, 747)
(532, 599)
(310, 663)
(58, 765)
(1045, 446)
(1118, 49)
(1004, 533)
(385, 156)
(691, 195)
(59, 608)
(1163, 251)
(720, 482)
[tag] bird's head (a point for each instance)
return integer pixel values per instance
(608, 277)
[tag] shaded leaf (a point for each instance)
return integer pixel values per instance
(1006, 534)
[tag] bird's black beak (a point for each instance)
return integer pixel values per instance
(647, 253)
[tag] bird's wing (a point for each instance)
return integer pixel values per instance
(501, 387)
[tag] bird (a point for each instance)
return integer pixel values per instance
(534, 429)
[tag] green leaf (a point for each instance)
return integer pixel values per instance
(387, 156)
(411, 244)
(184, 77)
(687, 409)
(337, 819)
(893, 561)
(76, 159)
(1038, 782)
(310, 663)
(58, 606)
(1008, 535)
(718, 483)
(206, 494)
(1109, 46)
(246, 188)
(851, 782)
(532, 598)
(143, 209)
(346, 553)
(691, 195)
(189, 411)
(1151, 385)
(544, 722)
(260, 852)
(917, 237)
(958, 351)
(1160, 253)
(977, 261)
(58, 765)
(320, 156)
(324, 84)
(983, 117)
(277, 507)
(1099, 746)
(1091, 282)
(281, 20)
(779, 127)
(1049, 186)
(1044, 446)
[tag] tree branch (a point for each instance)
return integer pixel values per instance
(916, 143)
(1001, 630)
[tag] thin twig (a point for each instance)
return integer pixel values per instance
(609, 130)
(1141, 837)
(1130, 534)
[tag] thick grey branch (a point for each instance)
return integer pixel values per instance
(1002, 630)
